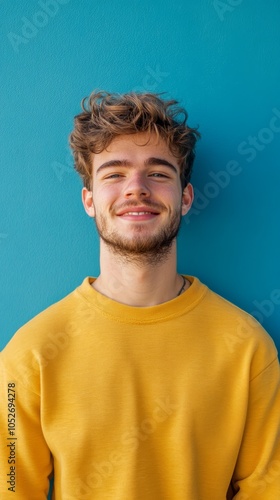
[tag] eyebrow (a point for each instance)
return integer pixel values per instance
(150, 162)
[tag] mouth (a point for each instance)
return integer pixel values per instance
(140, 214)
(135, 210)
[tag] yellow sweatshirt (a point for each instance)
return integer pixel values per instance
(178, 401)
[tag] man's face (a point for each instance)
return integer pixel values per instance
(137, 198)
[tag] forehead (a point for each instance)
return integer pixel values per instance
(136, 146)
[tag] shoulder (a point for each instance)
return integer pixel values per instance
(43, 331)
(239, 330)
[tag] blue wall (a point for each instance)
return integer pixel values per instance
(221, 59)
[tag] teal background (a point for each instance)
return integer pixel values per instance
(220, 59)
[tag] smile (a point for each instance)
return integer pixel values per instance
(139, 213)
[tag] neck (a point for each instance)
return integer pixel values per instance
(138, 284)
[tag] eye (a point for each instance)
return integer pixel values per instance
(112, 176)
(159, 174)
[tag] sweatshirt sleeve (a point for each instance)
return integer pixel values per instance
(25, 460)
(257, 473)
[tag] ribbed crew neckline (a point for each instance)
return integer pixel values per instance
(130, 314)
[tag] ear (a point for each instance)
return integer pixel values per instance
(187, 198)
(87, 200)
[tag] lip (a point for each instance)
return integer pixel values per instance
(129, 211)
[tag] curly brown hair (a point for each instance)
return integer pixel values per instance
(108, 115)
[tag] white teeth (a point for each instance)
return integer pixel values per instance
(136, 213)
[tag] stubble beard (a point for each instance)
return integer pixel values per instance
(141, 250)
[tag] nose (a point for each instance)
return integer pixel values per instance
(136, 185)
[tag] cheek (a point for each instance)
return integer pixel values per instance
(104, 198)
(100, 193)
(174, 195)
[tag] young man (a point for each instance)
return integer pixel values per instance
(142, 384)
